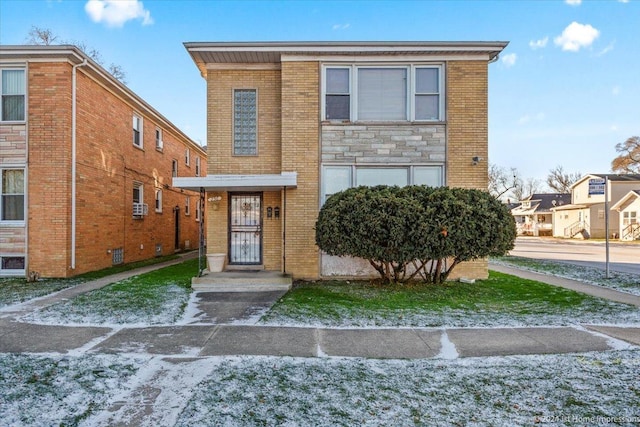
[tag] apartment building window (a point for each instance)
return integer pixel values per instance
(174, 168)
(198, 210)
(139, 208)
(245, 124)
(187, 157)
(187, 206)
(159, 142)
(11, 264)
(13, 95)
(197, 166)
(338, 178)
(12, 196)
(158, 200)
(383, 93)
(137, 131)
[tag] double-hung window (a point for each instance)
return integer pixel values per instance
(159, 142)
(12, 196)
(187, 157)
(137, 131)
(245, 122)
(383, 93)
(13, 95)
(158, 200)
(197, 166)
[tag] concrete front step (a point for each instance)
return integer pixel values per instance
(242, 281)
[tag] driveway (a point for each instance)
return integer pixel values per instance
(623, 257)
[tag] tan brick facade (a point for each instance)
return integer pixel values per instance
(292, 137)
(107, 166)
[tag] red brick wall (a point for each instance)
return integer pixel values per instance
(107, 165)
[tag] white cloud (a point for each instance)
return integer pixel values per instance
(509, 59)
(606, 50)
(538, 44)
(340, 26)
(576, 36)
(623, 1)
(573, 2)
(615, 90)
(114, 13)
(528, 118)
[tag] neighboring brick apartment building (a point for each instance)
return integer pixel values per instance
(86, 168)
(291, 123)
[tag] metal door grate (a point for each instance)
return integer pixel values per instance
(245, 229)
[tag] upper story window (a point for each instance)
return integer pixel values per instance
(174, 168)
(158, 200)
(197, 166)
(12, 195)
(383, 93)
(137, 131)
(187, 157)
(159, 142)
(13, 95)
(245, 123)
(187, 206)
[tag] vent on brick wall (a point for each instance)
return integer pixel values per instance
(158, 249)
(140, 209)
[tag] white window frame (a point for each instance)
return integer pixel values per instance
(353, 182)
(14, 222)
(140, 130)
(187, 206)
(198, 210)
(187, 157)
(197, 166)
(12, 271)
(158, 200)
(24, 95)
(174, 168)
(410, 95)
(159, 140)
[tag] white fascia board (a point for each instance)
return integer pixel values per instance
(265, 182)
(377, 59)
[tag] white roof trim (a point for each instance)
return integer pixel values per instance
(264, 182)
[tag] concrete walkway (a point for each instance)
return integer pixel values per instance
(217, 333)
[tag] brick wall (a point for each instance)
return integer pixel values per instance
(467, 137)
(300, 153)
(107, 165)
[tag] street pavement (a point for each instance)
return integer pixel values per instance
(226, 326)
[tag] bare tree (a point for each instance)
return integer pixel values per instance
(560, 181)
(629, 159)
(501, 180)
(45, 37)
(41, 36)
(525, 188)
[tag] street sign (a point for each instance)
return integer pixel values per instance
(596, 186)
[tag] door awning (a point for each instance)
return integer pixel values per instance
(261, 182)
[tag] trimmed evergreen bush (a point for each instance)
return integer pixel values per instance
(414, 232)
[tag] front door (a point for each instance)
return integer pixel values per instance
(245, 229)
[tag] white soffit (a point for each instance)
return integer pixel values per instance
(264, 182)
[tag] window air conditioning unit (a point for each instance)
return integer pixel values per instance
(140, 209)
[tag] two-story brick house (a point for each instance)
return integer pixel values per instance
(86, 168)
(290, 123)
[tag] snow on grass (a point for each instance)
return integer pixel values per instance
(58, 390)
(594, 276)
(500, 391)
(107, 306)
(104, 390)
(16, 290)
(591, 311)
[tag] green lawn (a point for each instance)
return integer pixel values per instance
(500, 300)
(156, 297)
(14, 290)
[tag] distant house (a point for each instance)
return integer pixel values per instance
(628, 211)
(291, 123)
(585, 216)
(86, 168)
(534, 216)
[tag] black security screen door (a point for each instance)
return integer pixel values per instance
(245, 229)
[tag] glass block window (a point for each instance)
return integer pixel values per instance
(117, 256)
(245, 123)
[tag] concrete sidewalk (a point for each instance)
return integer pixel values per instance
(215, 333)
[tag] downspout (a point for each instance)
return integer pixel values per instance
(73, 162)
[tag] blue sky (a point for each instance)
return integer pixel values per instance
(564, 92)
